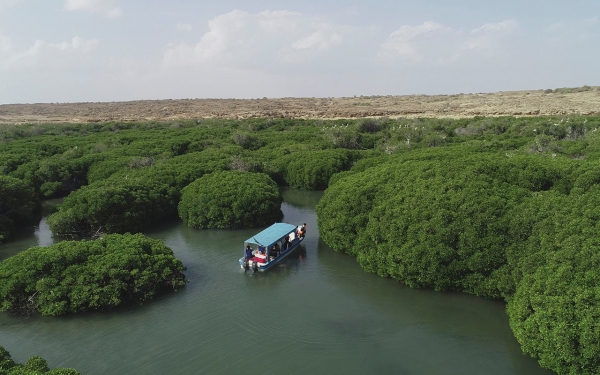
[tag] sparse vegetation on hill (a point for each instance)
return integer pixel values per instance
(550, 102)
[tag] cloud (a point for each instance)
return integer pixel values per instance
(428, 43)
(43, 54)
(318, 40)
(486, 39)
(503, 27)
(432, 43)
(5, 4)
(184, 27)
(106, 7)
(245, 40)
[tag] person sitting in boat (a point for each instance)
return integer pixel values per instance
(286, 243)
(302, 231)
(275, 250)
(260, 256)
(249, 254)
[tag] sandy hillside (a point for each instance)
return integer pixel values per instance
(584, 101)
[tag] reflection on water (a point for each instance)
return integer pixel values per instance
(303, 199)
(318, 312)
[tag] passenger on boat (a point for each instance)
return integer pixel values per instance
(275, 250)
(301, 231)
(260, 256)
(249, 254)
(286, 243)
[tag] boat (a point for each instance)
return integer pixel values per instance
(270, 246)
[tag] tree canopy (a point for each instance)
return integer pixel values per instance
(519, 227)
(34, 366)
(76, 276)
(18, 203)
(231, 199)
(499, 207)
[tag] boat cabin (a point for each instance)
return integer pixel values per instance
(269, 246)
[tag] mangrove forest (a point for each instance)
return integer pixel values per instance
(503, 208)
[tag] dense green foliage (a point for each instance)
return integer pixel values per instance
(17, 204)
(555, 312)
(152, 162)
(518, 226)
(34, 366)
(231, 199)
(105, 206)
(435, 219)
(311, 170)
(499, 207)
(71, 276)
(133, 199)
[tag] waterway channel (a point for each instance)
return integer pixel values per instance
(317, 313)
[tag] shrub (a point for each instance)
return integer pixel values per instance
(104, 169)
(342, 136)
(247, 141)
(134, 200)
(429, 223)
(231, 199)
(556, 309)
(311, 170)
(57, 175)
(113, 206)
(369, 125)
(17, 204)
(72, 277)
(34, 366)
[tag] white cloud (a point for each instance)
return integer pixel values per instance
(504, 27)
(5, 4)
(43, 54)
(318, 40)
(486, 38)
(184, 27)
(432, 43)
(244, 40)
(106, 7)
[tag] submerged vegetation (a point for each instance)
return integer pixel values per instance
(504, 208)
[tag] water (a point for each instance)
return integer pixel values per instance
(318, 313)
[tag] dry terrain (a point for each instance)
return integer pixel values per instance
(584, 101)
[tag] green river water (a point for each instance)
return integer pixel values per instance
(318, 313)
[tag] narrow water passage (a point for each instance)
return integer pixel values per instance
(318, 313)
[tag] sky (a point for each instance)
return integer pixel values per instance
(118, 50)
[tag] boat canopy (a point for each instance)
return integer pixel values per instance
(272, 234)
